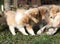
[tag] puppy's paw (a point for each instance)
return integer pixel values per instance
(14, 34)
(39, 32)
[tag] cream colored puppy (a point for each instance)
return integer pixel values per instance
(53, 10)
(52, 27)
(54, 19)
(54, 23)
(44, 11)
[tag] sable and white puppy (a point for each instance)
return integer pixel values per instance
(19, 19)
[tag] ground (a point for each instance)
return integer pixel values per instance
(7, 38)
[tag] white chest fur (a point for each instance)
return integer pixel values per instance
(18, 17)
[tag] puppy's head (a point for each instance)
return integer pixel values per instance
(53, 10)
(33, 11)
(44, 11)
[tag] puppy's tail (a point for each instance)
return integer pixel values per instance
(2, 8)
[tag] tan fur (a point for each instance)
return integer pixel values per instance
(53, 10)
(43, 11)
(56, 21)
(33, 14)
(10, 17)
(53, 20)
(25, 20)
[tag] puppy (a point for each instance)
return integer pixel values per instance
(53, 19)
(26, 19)
(55, 23)
(52, 22)
(21, 18)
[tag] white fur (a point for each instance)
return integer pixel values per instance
(31, 31)
(55, 23)
(22, 30)
(51, 31)
(18, 17)
(41, 30)
(12, 30)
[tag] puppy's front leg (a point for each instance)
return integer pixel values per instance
(42, 29)
(12, 30)
(30, 30)
(22, 30)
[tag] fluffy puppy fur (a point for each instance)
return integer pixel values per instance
(44, 11)
(10, 18)
(24, 19)
(19, 19)
(53, 19)
(56, 20)
(33, 13)
(55, 23)
(53, 10)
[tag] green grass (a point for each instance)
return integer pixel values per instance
(7, 38)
